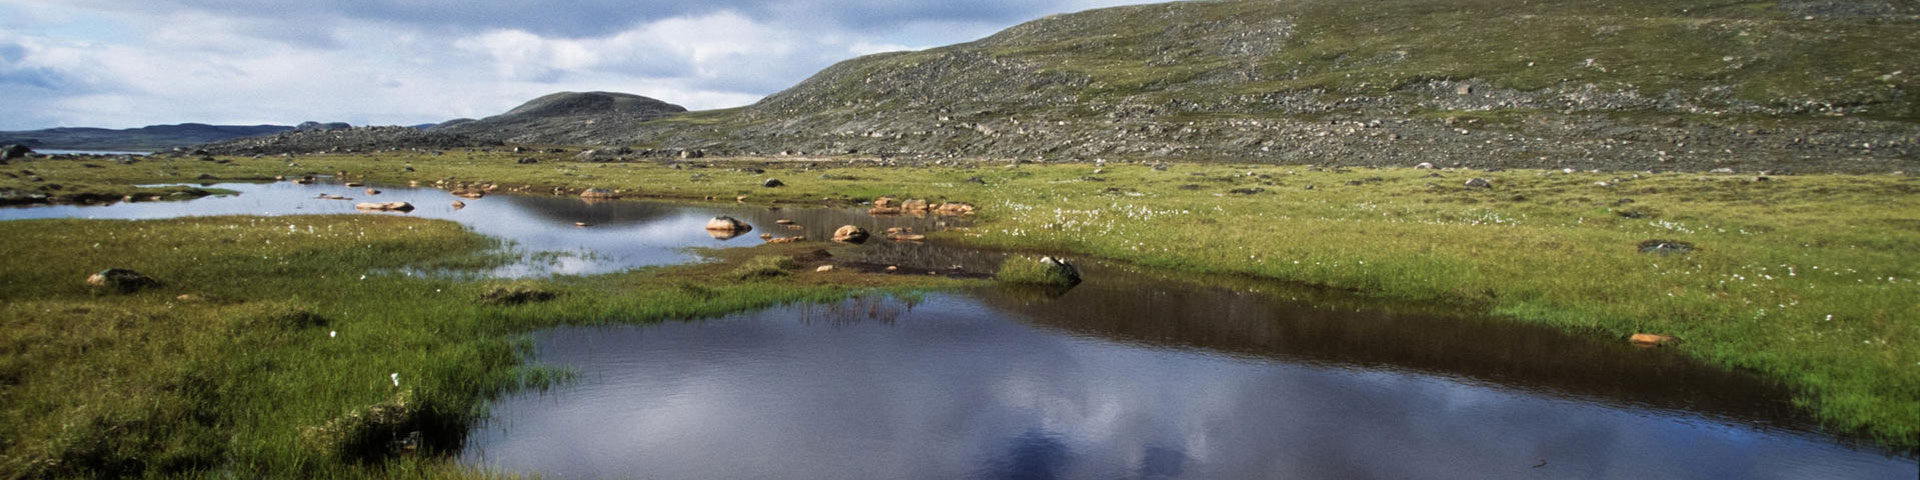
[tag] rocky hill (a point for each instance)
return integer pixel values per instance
(1800, 85)
(143, 139)
(566, 118)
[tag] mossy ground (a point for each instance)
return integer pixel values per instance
(1807, 279)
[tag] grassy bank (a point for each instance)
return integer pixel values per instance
(1807, 278)
(287, 347)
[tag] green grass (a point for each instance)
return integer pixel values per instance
(1807, 279)
(271, 346)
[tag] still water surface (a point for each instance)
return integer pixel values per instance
(1128, 375)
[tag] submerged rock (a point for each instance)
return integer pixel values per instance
(385, 206)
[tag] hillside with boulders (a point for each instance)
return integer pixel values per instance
(1624, 84)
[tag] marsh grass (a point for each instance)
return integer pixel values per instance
(273, 346)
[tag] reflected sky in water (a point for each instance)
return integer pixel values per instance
(986, 385)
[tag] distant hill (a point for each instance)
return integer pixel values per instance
(565, 118)
(1804, 85)
(150, 138)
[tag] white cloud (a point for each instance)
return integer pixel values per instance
(116, 63)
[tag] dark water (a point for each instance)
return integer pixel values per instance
(1128, 376)
(1125, 376)
(621, 235)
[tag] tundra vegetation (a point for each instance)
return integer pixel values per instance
(1806, 279)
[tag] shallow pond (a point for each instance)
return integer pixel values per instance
(1128, 375)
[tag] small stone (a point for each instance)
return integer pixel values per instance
(824, 268)
(459, 204)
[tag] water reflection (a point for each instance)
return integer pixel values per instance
(621, 234)
(1132, 377)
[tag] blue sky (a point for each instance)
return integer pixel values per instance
(129, 63)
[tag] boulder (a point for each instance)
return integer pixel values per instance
(907, 237)
(527, 161)
(372, 191)
(885, 202)
(1479, 183)
(1424, 166)
(121, 280)
(824, 268)
(469, 193)
(1649, 340)
(353, 184)
(914, 205)
(784, 221)
(598, 193)
(727, 224)
(787, 239)
(459, 204)
(955, 208)
(772, 183)
(11, 152)
(850, 234)
(884, 211)
(386, 207)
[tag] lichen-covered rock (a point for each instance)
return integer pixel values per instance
(850, 234)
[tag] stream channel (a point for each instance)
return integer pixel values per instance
(1131, 374)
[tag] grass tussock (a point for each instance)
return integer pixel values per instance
(764, 267)
(1032, 271)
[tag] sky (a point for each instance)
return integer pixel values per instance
(131, 63)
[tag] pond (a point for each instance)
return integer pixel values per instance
(1128, 375)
